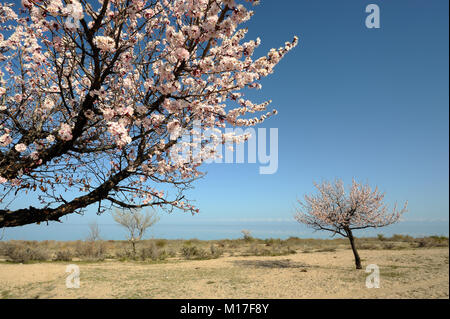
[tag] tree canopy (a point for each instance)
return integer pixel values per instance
(93, 97)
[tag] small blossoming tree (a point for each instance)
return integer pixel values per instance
(93, 93)
(334, 210)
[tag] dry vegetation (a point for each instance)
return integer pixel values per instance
(241, 268)
(162, 249)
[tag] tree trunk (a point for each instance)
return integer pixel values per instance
(355, 252)
(134, 249)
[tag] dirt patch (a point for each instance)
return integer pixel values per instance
(409, 273)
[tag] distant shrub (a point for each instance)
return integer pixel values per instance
(221, 243)
(192, 252)
(381, 237)
(233, 244)
(160, 243)
(3, 246)
(124, 254)
(63, 255)
(150, 252)
(273, 242)
(439, 238)
(90, 250)
(23, 254)
(368, 246)
(388, 246)
(171, 253)
(247, 235)
(153, 252)
(215, 251)
(404, 238)
(191, 242)
(432, 241)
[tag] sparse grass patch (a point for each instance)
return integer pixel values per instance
(255, 250)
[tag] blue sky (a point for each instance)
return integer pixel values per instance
(353, 102)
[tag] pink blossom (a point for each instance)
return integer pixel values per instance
(131, 99)
(120, 133)
(50, 138)
(362, 207)
(108, 113)
(65, 132)
(104, 43)
(48, 104)
(173, 127)
(18, 98)
(20, 147)
(34, 155)
(76, 10)
(182, 54)
(5, 140)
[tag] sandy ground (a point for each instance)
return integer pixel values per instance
(415, 273)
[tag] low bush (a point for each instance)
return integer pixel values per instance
(160, 243)
(23, 254)
(192, 252)
(90, 250)
(63, 255)
(153, 252)
(432, 241)
(403, 238)
(368, 246)
(247, 236)
(216, 252)
(388, 246)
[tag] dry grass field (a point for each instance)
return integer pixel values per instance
(253, 268)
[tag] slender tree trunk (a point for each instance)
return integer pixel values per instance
(355, 252)
(134, 249)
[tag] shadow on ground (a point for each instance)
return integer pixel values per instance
(280, 263)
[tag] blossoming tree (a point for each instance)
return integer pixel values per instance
(340, 213)
(92, 95)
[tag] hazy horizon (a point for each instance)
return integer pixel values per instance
(208, 229)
